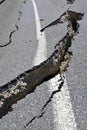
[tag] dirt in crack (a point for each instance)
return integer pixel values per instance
(69, 16)
(26, 82)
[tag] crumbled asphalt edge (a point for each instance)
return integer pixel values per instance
(11, 33)
(70, 16)
(2, 1)
(72, 31)
(26, 82)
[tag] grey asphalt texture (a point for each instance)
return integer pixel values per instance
(18, 56)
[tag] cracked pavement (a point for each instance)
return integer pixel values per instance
(27, 82)
(18, 57)
(10, 37)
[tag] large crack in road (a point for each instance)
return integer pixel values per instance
(73, 29)
(65, 62)
(26, 82)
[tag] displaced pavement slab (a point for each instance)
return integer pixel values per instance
(30, 106)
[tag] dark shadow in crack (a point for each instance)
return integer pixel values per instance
(73, 26)
(61, 80)
(53, 93)
(2, 1)
(24, 1)
(69, 16)
(11, 34)
(17, 89)
(20, 14)
(27, 82)
(70, 1)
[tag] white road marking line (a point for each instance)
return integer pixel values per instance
(41, 53)
(62, 107)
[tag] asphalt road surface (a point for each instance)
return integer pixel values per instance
(22, 46)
